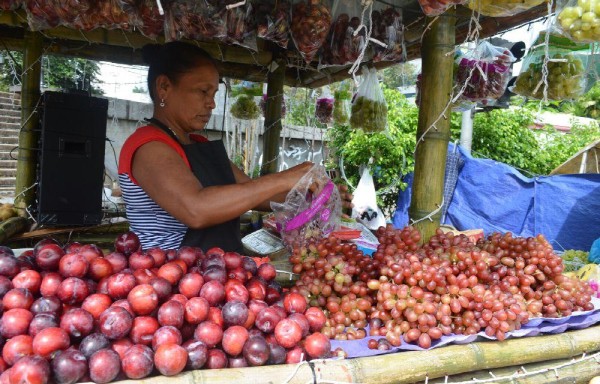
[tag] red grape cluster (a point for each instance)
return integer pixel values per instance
(449, 285)
(74, 314)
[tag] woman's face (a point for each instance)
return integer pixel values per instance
(189, 102)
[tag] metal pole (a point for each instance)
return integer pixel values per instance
(29, 135)
(466, 130)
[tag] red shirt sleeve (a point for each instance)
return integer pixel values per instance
(141, 136)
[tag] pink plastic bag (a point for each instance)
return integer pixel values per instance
(312, 209)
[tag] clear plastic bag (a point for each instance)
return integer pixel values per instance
(324, 107)
(365, 208)
(45, 14)
(485, 71)
(10, 5)
(195, 20)
(108, 14)
(272, 21)
(502, 8)
(437, 7)
(312, 209)
(145, 16)
(239, 24)
(311, 20)
(369, 108)
(341, 104)
(342, 46)
(579, 20)
(388, 29)
(245, 108)
(566, 78)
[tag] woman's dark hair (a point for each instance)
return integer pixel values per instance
(172, 59)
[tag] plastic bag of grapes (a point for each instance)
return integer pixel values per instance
(369, 108)
(311, 210)
(483, 73)
(567, 70)
(579, 20)
(343, 46)
(502, 8)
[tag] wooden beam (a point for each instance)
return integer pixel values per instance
(273, 125)
(29, 135)
(433, 130)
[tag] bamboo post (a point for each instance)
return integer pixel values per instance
(433, 131)
(29, 134)
(273, 125)
(409, 367)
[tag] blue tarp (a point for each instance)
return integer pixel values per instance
(498, 198)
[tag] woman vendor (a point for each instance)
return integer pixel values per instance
(180, 188)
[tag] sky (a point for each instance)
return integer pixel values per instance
(119, 80)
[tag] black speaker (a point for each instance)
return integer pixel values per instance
(71, 163)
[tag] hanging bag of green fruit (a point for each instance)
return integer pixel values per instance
(244, 107)
(341, 104)
(502, 8)
(369, 109)
(566, 77)
(579, 20)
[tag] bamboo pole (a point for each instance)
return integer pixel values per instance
(433, 131)
(29, 134)
(273, 125)
(579, 370)
(406, 367)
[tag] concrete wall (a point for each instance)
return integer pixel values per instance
(297, 144)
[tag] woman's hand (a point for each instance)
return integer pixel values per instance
(294, 174)
(346, 198)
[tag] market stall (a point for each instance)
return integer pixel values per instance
(425, 306)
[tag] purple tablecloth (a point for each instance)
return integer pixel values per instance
(578, 320)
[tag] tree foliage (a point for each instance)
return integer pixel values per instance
(57, 72)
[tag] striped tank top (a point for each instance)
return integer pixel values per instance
(153, 225)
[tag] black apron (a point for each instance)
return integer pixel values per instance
(211, 165)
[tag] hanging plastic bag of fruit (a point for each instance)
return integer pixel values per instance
(263, 105)
(365, 208)
(195, 20)
(311, 20)
(107, 14)
(244, 107)
(369, 108)
(568, 77)
(10, 5)
(239, 23)
(387, 30)
(437, 7)
(45, 14)
(483, 73)
(502, 8)
(147, 17)
(324, 107)
(579, 20)
(272, 21)
(342, 46)
(312, 209)
(341, 104)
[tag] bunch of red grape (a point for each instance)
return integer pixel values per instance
(74, 314)
(416, 293)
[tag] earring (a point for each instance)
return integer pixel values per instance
(162, 102)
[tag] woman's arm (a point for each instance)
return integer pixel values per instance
(166, 178)
(241, 177)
